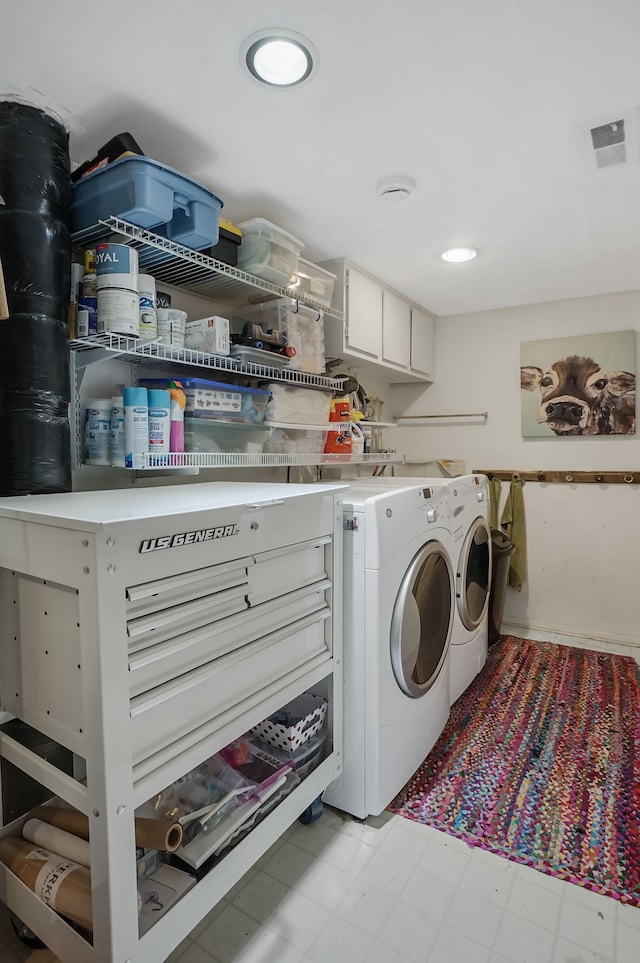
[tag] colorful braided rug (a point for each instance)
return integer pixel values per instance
(540, 763)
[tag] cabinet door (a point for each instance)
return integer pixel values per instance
(364, 315)
(422, 343)
(396, 329)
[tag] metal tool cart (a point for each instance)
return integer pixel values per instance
(144, 631)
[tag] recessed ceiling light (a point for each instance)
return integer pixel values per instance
(458, 254)
(279, 58)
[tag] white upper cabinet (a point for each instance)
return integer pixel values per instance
(363, 327)
(423, 343)
(383, 331)
(396, 329)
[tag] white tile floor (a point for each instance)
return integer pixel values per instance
(393, 891)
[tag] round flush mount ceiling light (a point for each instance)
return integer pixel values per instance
(279, 58)
(459, 254)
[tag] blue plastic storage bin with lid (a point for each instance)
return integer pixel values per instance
(149, 194)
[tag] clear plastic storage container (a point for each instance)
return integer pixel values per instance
(269, 252)
(313, 282)
(208, 435)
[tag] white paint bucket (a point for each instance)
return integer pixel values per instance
(118, 312)
(117, 289)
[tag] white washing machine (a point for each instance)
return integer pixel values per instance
(469, 505)
(399, 606)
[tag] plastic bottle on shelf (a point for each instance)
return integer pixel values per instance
(357, 439)
(117, 430)
(159, 421)
(136, 427)
(97, 431)
(178, 402)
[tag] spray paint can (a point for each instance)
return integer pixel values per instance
(117, 289)
(97, 433)
(159, 424)
(136, 427)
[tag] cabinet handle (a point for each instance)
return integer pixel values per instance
(254, 506)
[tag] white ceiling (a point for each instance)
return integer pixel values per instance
(486, 103)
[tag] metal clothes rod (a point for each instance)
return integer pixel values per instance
(467, 414)
(570, 477)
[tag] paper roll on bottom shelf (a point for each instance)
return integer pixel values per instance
(61, 883)
(150, 833)
(58, 841)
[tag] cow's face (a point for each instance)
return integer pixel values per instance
(572, 392)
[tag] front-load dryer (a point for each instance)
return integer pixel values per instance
(469, 505)
(399, 602)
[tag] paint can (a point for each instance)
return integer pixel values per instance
(171, 326)
(148, 318)
(117, 266)
(163, 300)
(118, 312)
(117, 289)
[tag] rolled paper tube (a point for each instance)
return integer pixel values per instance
(150, 833)
(61, 883)
(58, 841)
(158, 834)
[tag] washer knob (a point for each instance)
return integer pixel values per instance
(432, 514)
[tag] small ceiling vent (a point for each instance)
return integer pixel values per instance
(609, 143)
(395, 187)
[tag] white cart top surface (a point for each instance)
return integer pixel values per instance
(92, 510)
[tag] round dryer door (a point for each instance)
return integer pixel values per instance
(422, 619)
(474, 575)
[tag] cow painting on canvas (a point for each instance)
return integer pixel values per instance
(581, 393)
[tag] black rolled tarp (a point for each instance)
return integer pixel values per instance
(34, 162)
(35, 250)
(36, 263)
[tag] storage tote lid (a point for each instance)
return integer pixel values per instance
(260, 225)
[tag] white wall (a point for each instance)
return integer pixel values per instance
(582, 539)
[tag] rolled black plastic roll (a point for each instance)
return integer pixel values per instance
(35, 247)
(34, 161)
(36, 261)
(34, 358)
(36, 453)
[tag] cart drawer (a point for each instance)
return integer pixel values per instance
(163, 661)
(285, 569)
(169, 712)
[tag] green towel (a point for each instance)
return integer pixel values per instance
(495, 487)
(513, 525)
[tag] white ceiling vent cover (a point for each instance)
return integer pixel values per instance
(609, 143)
(395, 187)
